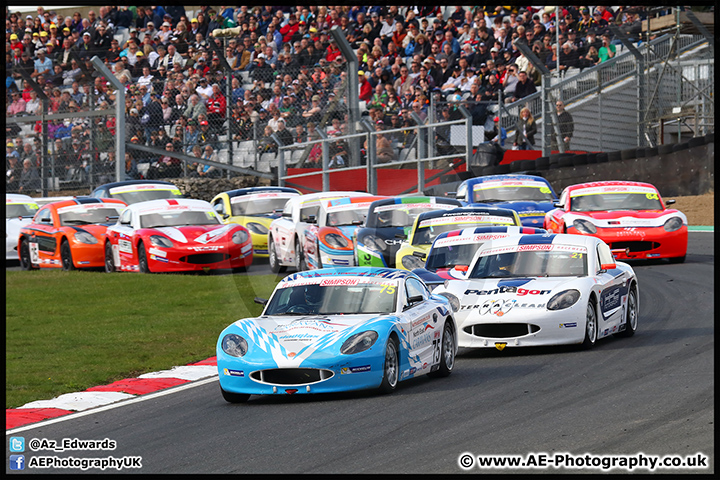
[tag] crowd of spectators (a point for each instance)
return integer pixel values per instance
(287, 76)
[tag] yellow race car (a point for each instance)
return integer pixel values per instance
(429, 225)
(253, 208)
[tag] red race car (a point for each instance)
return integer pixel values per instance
(629, 216)
(68, 234)
(175, 235)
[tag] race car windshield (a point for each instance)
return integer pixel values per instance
(400, 217)
(88, 217)
(512, 194)
(333, 300)
(258, 206)
(448, 257)
(346, 217)
(178, 219)
(530, 264)
(144, 195)
(615, 201)
(20, 210)
(426, 235)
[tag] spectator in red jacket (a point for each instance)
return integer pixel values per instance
(216, 106)
(366, 89)
(289, 29)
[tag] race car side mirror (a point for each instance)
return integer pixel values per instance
(461, 268)
(607, 266)
(401, 236)
(451, 194)
(260, 301)
(311, 219)
(669, 202)
(558, 205)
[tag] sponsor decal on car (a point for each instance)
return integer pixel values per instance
(568, 325)
(613, 189)
(347, 370)
(88, 206)
(511, 183)
(507, 289)
(461, 219)
(233, 373)
(143, 187)
(125, 246)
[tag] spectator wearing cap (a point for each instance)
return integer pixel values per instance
(207, 136)
(261, 70)
(86, 49)
(289, 29)
(43, 65)
(366, 90)
(586, 22)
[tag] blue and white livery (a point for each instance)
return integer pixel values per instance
(19, 212)
(338, 329)
(536, 290)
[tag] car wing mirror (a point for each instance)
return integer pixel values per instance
(670, 202)
(420, 255)
(260, 301)
(558, 205)
(112, 218)
(311, 219)
(401, 236)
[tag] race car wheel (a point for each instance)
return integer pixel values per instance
(25, 263)
(300, 264)
(109, 263)
(677, 259)
(391, 367)
(447, 353)
(275, 266)
(631, 317)
(66, 257)
(142, 259)
(591, 326)
(234, 397)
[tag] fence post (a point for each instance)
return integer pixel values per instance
(469, 141)
(423, 134)
(281, 159)
(325, 161)
(119, 113)
(371, 170)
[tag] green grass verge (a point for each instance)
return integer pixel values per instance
(68, 331)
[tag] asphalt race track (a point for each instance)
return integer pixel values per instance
(651, 394)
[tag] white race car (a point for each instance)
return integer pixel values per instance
(549, 289)
(286, 237)
(19, 211)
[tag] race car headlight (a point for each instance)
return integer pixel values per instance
(374, 243)
(583, 226)
(674, 223)
(240, 237)
(258, 228)
(85, 237)
(454, 302)
(412, 262)
(160, 241)
(564, 299)
(359, 342)
(234, 345)
(335, 240)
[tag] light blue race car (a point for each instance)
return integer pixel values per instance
(338, 329)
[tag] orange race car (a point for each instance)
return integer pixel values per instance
(67, 234)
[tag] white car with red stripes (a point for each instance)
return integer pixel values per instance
(543, 289)
(286, 238)
(175, 235)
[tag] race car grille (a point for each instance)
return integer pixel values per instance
(291, 376)
(202, 258)
(501, 330)
(635, 246)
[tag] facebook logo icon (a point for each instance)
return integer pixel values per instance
(17, 462)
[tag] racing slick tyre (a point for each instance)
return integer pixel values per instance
(300, 263)
(591, 326)
(631, 317)
(234, 397)
(109, 262)
(275, 266)
(142, 259)
(25, 263)
(66, 257)
(677, 259)
(447, 353)
(391, 367)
